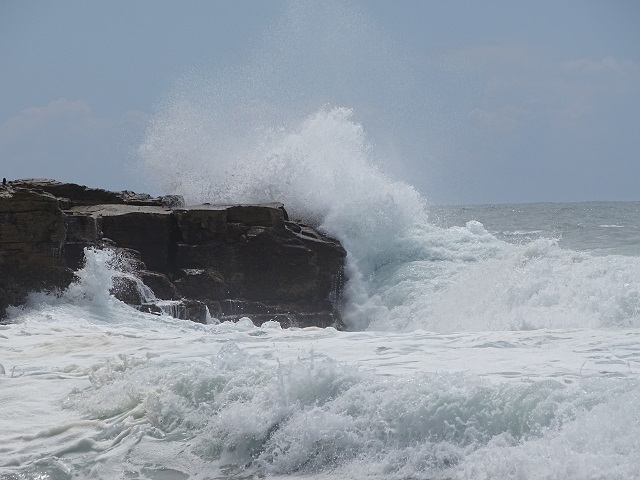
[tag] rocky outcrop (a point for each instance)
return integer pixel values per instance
(226, 261)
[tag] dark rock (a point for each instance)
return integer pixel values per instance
(274, 265)
(160, 285)
(193, 310)
(32, 234)
(126, 289)
(124, 259)
(237, 260)
(32, 228)
(268, 215)
(184, 310)
(244, 307)
(72, 194)
(149, 230)
(201, 284)
(82, 231)
(202, 224)
(17, 281)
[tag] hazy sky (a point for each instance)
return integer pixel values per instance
(471, 102)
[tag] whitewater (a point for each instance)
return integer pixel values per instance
(482, 342)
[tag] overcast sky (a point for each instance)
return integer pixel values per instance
(471, 102)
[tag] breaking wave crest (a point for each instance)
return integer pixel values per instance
(315, 415)
(404, 273)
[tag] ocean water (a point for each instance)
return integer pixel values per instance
(483, 342)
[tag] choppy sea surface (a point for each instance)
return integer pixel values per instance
(523, 363)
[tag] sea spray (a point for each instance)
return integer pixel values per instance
(274, 129)
(322, 171)
(277, 129)
(105, 275)
(92, 287)
(403, 272)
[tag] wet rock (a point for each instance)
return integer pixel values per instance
(201, 284)
(148, 230)
(32, 228)
(202, 224)
(267, 215)
(247, 260)
(126, 289)
(71, 194)
(32, 235)
(192, 310)
(160, 285)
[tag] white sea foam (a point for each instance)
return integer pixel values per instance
(153, 398)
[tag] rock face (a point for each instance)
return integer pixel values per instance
(230, 261)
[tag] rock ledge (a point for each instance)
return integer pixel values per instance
(226, 261)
